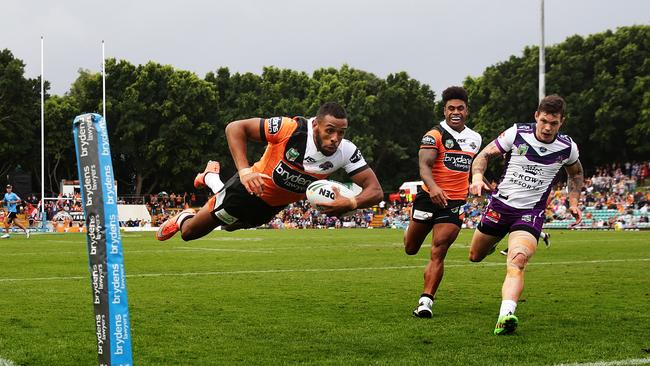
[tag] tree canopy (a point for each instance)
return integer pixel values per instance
(165, 123)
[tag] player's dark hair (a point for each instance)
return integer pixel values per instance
(332, 109)
(454, 92)
(552, 104)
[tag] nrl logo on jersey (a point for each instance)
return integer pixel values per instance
(292, 154)
(274, 125)
(522, 149)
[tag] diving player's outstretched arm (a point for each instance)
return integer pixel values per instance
(238, 133)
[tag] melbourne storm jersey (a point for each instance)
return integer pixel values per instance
(456, 151)
(293, 160)
(531, 165)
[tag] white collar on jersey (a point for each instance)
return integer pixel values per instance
(311, 149)
(451, 130)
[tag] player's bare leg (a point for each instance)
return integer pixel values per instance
(200, 224)
(482, 246)
(414, 236)
(443, 236)
(521, 247)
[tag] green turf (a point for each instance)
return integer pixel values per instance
(327, 297)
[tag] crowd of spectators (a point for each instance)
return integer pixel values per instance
(301, 215)
(611, 187)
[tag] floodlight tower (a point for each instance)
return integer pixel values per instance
(542, 61)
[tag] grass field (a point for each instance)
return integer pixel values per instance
(327, 297)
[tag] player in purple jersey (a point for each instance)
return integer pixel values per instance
(534, 155)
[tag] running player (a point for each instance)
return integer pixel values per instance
(12, 200)
(445, 157)
(535, 154)
(298, 152)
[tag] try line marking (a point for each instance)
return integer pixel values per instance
(632, 361)
(352, 269)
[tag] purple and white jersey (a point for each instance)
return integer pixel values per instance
(531, 165)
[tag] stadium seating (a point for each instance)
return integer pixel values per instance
(605, 215)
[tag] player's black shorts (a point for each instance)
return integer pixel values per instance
(425, 212)
(11, 217)
(235, 204)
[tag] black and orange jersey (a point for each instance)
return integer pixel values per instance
(293, 161)
(456, 150)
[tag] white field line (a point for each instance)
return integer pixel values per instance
(631, 361)
(128, 252)
(225, 250)
(312, 270)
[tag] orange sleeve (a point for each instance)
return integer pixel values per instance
(431, 140)
(275, 130)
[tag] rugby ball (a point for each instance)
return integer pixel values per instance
(322, 191)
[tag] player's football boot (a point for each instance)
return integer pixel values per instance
(506, 324)
(5, 236)
(172, 225)
(423, 311)
(547, 240)
(504, 252)
(211, 167)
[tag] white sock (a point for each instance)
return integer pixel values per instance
(507, 307)
(542, 235)
(182, 217)
(213, 181)
(426, 300)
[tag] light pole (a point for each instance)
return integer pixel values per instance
(542, 61)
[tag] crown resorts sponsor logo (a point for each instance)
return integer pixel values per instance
(532, 169)
(290, 179)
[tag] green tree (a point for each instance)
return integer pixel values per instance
(19, 116)
(604, 79)
(59, 145)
